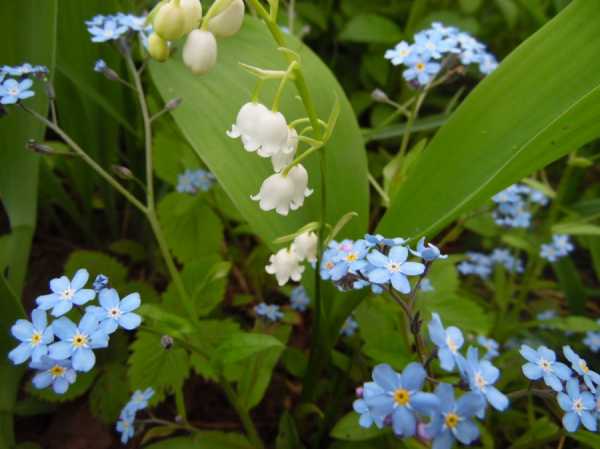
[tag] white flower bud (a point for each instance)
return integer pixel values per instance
(283, 193)
(286, 154)
(158, 48)
(285, 265)
(272, 133)
(169, 22)
(305, 246)
(200, 52)
(229, 21)
(193, 13)
(246, 125)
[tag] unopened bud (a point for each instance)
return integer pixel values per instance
(38, 147)
(229, 21)
(359, 392)
(193, 13)
(170, 21)
(158, 48)
(200, 52)
(166, 341)
(122, 172)
(380, 96)
(111, 74)
(578, 161)
(173, 104)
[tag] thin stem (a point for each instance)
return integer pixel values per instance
(300, 158)
(411, 121)
(87, 159)
(384, 196)
(245, 418)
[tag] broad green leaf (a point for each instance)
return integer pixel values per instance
(575, 228)
(348, 429)
(96, 263)
(540, 433)
(288, 437)
(572, 324)
(458, 311)
(110, 393)
(589, 439)
(211, 103)
(240, 346)
(395, 131)
(571, 283)
(209, 335)
(205, 440)
(489, 143)
(371, 28)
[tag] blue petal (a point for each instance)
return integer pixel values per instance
(469, 404)
(89, 323)
(445, 392)
(381, 406)
(425, 403)
(42, 380)
(456, 335)
(436, 331)
(553, 382)
(466, 431)
(496, 399)
(573, 388)
(46, 302)
(412, 268)
(589, 421)
(64, 328)
(61, 307)
(20, 354)
(60, 350)
(398, 254)
(22, 330)
(38, 352)
(60, 385)
(400, 283)
(80, 279)
(413, 376)
(83, 296)
(385, 376)
(446, 359)
(130, 302)
(109, 298)
(83, 359)
(130, 321)
(404, 422)
(562, 370)
(39, 319)
(377, 259)
(59, 285)
(532, 371)
(444, 440)
(379, 276)
(564, 402)
(546, 353)
(109, 325)
(571, 421)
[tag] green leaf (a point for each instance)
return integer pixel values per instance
(172, 153)
(394, 131)
(575, 228)
(458, 311)
(371, 28)
(288, 437)
(542, 432)
(96, 263)
(240, 346)
(205, 440)
(110, 393)
(208, 336)
(571, 283)
(587, 438)
(348, 429)
(495, 144)
(572, 324)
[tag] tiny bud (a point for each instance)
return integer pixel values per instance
(193, 13)
(359, 392)
(158, 48)
(173, 104)
(170, 21)
(422, 433)
(200, 52)
(229, 21)
(380, 96)
(166, 341)
(122, 172)
(111, 74)
(38, 147)
(578, 161)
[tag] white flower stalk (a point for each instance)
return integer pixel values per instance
(286, 153)
(200, 52)
(305, 246)
(193, 13)
(170, 21)
(283, 193)
(228, 22)
(158, 48)
(285, 265)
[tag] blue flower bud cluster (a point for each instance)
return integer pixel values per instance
(16, 82)
(481, 265)
(377, 262)
(513, 205)
(436, 48)
(559, 247)
(61, 349)
(578, 387)
(125, 424)
(191, 181)
(397, 400)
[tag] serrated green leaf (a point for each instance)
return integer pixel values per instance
(208, 336)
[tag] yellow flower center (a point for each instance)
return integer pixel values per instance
(352, 257)
(583, 366)
(67, 294)
(401, 396)
(57, 371)
(80, 340)
(420, 66)
(451, 420)
(36, 338)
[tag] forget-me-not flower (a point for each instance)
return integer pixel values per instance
(299, 299)
(477, 263)
(268, 311)
(350, 260)
(12, 91)
(125, 425)
(580, 366)
(360, 406)
(426, 285)
(35, 336)
(579, 407)
(58, 373)
(541, 363)
(66, 293)
(592, 341)
(349, 328)
(448, 341)
(394, 268)
(380, 240)
(490, 345)
(109, 30)
(100, 66)
(482, 376)
(114, 312)
(191, 181)
(139, 400)
(100, 283)
(401, 397)
(77, 341)
(428, 252)
(421, 69)
(399, 53)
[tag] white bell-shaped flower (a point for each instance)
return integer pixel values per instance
(305, 246)
(286, 153)
(170, 21)
(285, 265)
(246, 125)
(193, 13)
(200, 52)
(229, 21)
(272, 133)
(283, 193)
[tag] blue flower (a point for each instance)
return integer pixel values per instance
(421, 70)
(11, 91)
(327, 262)
(558, 248)
(580, 366)
(399, 53)
(125, 425)
(349, 328)
(426, 285)
(541, 363)
(115, 312)
(35, 336)
(299, 299)
(58, 373)
(477, 264)
(132, 22)
(453, 421)
(488, 64)
(490, 345)
(78, 341)
(428, 253)
(350, 260)
(65, 293)
(482, 376)
(394, 268)
(380, 240)
(503, 257)
(139, 400)
(100, 283)
(360, 406)
(578, 407)
(270, 312)
(401, 397)
(190, 181)
(429, 44)
(109, 30)
(448, 341)
(592, 341)
(546, 315)
(100, 66)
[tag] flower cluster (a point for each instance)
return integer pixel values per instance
(267, 133)
(481, 265)
(299, 299)
(104, 28)
(398, 400)
(514, 204)
(16, 82)
(269, 312)
(62, 348)
(575, 386)
(437, 48)
(139, 401)
(377, 262)
(192, 181)
(286, 263)
(559, 247)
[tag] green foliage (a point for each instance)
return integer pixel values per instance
(110, 393)
(348, 429)
(240, 346)
(205, 440)
(371, 28)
